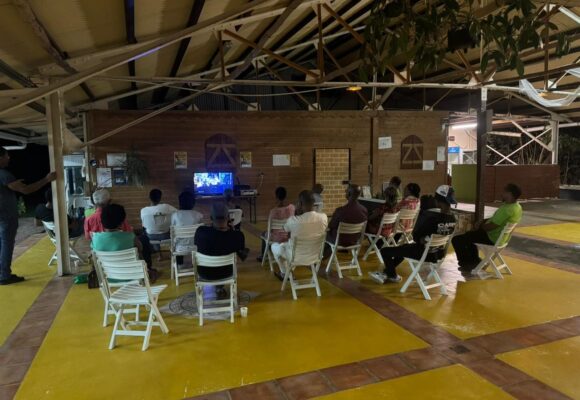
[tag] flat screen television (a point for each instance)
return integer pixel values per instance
(212, 183)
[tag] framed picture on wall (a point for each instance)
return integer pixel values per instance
(180, 159)
(120, 177)
(245, 159)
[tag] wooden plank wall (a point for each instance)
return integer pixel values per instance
(265, 134)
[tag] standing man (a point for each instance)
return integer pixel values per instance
(488, 232)
(9, 185)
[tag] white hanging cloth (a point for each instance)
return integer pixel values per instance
(529, 90)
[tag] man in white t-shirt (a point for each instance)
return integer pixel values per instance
(156, 219)
(307, 223)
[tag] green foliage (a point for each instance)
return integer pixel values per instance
(397, 32)
(21, 207)
(569, 157)
(136, 167)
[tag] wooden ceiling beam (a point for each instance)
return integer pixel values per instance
(291, 88)
(46, 41)
(345, 74)
(129, 8)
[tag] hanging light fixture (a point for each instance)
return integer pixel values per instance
(354, 88)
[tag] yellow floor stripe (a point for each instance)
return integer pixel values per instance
(16, 299)
(532, 295)
(280, 337)
(557, 364)
(567, 232)
(453, 382)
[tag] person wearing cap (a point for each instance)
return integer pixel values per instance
(489, 230)
(9, 186)
(306, 224)
(351, 213)
(438, 221)
(101, 198)
(219, 240)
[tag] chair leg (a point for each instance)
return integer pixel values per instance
(495, 268)
(414, 272)
(332, 255)
(173, 266)
(370, 248)
(315, 280)
(106, 316)
(148, 331)
(292, 284)
(422, 287)
(337, 265)
(355, 261)
(505, 265)
(137, 310)
(199, 290)
(286, 277)
(437, 278)
(232, 296)
(265, 253)
(160, 319)
(118, 316)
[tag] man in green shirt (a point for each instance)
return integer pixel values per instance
(510, 212)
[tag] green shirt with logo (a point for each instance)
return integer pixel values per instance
(507, 213)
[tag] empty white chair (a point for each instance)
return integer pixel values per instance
(132, 295)
(405, 225)
(49, 229)
(434, 243)
(307, 253)
(273, 224)
(378, 238)
(231, 281)
(492, 253)
(112, 257)
(182, 238)
(235, 216)
(346, 229)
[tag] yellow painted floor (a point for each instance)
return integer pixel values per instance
(533, 295)
(453, 382)
(280, 337)
(16, 299)
(557, 364)
(567, 232)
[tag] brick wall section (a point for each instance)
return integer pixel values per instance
(264, 134)
(332, 167)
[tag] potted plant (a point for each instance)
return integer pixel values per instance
(136, 168)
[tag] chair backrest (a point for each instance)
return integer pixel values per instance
(216, 261)
(388, 219)
(351, 229)
(307, 251)
(236, 216)
(407, 219)
(505, 235)
(435, 242)
(49, 229)
(275, 224)
(117, 256)
(124, 270)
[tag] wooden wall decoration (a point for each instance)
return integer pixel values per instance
(412, 153)
(221, 153)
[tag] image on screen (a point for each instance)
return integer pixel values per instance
(212, 183)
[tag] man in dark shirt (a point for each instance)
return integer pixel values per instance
(45, 212)
(219, 240)
(351, 213)
(9, 185)
(434, 221)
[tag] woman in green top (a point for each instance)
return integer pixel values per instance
(488, 231)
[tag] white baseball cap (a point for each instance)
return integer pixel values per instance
(101, 196)
(447, 192)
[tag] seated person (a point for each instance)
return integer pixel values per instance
(93, 224)
(45, 212)
(488, 232)
(410, 202)
(440, 222)
(351, 213)
(317, 190)
(283, 210)
(232, 205)
(153, 230)
(185, 216)
(307, 223)
(219, 240)
(395, 182)
(388, 207)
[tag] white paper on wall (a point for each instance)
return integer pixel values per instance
(281, 160)
(428, 165)
(385, 142)
(104, 177)
(441, 150)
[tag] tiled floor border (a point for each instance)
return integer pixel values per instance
(477, 354)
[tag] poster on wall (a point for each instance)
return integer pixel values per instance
(428, 165)
(281, 160)
(180, 159)
(245, 159)
(116, 159)
(104, 177)
(385, 142)
(441, 150)
(120, 177)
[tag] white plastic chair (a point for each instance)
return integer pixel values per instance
(235, 216)
(231, 281)
(346, 229)
(162, 224)
(181, 234)
(405, 225)
(273, 224)
(112, 257)
(375, 238)
(132, 295)
(307, 253)
(434, 243)
(491, 252)
(49, 229)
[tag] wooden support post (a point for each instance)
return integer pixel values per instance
(222, 62)
(56, 125)
(555, 127)
(320, 43)
(374, 156)
(484, 125)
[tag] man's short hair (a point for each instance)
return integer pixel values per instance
(396, 181)
(306, 197)
(281, 193)
(48, 195)
(414, 189)
(155, 195)
(219, 211)
(186, 201)
(101, 197)
(318, 188)
(113, 216)
(3, 151)
(354, 191)
(514, 190)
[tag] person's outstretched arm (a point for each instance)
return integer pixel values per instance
(21, 187)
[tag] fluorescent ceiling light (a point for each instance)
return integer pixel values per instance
(465, 126)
